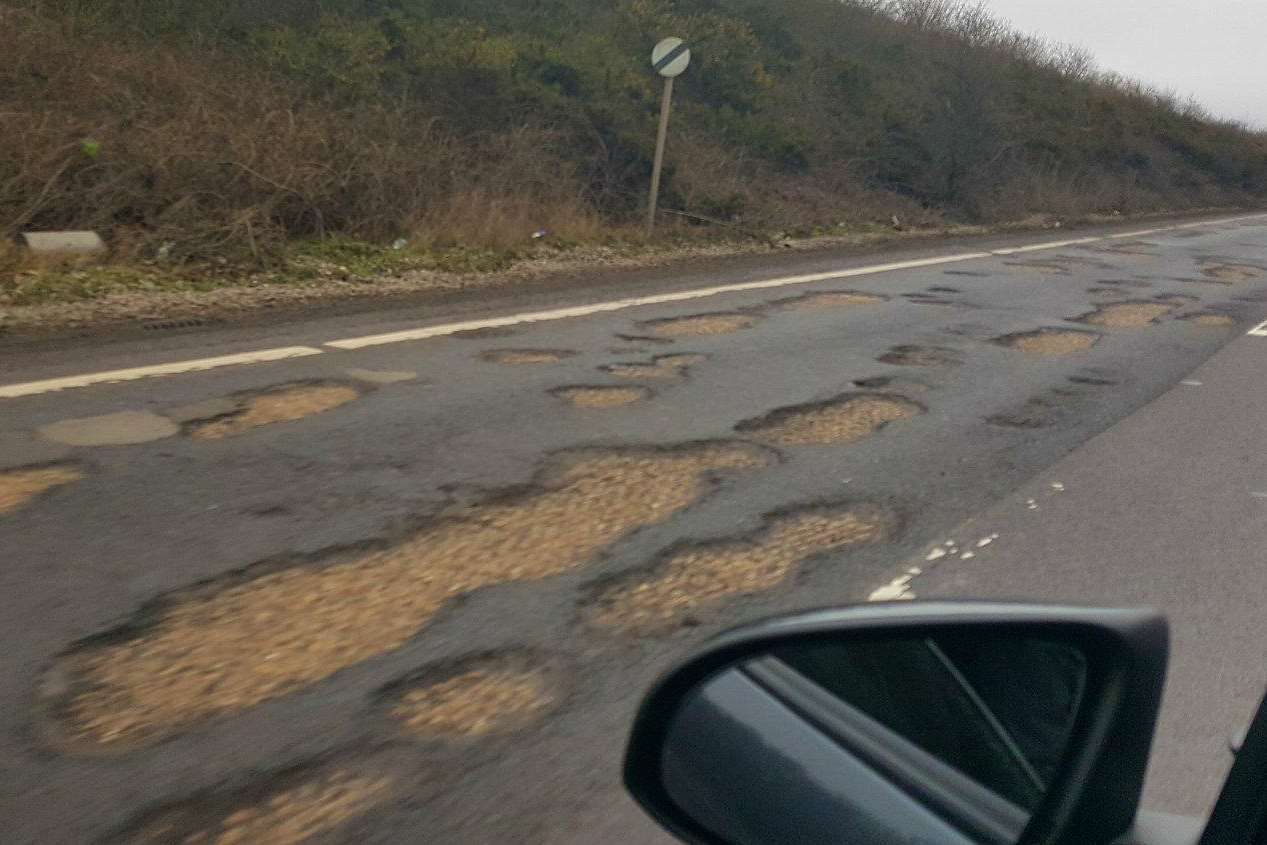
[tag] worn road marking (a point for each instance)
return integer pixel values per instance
(31, 388)
(1259, 330)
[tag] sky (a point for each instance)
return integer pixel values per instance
(1213, 50)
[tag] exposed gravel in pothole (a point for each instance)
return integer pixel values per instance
(21, 485)
(699, 325)
(921, 356)
(289, 810)
(844, 419)
(698, 576)
(1233, 273)
(489, 695)
(828, 300)
(277, 405)
(225, 646)
(1050, 341)
(1127, 315)
(661, 367)
(601, 396)
(1211, 319)
(517, 357)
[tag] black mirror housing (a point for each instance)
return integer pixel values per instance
(1093, 796)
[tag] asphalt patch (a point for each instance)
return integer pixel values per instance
(921, 356)
(602, 396)
(124, 428)
(19, 486)
(1232, 273)
(224, 646)
(1054, 342)
(843, 419)
(699, 325)
(694, 577)
(285, 403)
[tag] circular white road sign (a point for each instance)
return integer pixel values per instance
(670, 57)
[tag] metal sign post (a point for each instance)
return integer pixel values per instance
(669, 58)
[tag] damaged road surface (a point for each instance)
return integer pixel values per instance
(412, 589)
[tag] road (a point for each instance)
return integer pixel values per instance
(404, 576)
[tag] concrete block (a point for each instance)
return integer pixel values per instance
(64, 243)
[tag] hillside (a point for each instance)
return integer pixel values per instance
(231, 130)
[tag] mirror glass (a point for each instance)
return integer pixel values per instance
(877, 740)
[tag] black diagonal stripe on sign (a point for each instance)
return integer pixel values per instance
(669, 57)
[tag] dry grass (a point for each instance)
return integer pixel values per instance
(19, 486)
(705, 575)
(286, 816)
(278, 406)
(227, 647)
(1051, 342)
(699, 325)
(476, 703)
(1128, 315)
(843, 420)
(602, 397)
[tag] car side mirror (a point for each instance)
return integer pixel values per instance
(888, 724)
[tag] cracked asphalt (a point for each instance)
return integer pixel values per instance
(361, 596)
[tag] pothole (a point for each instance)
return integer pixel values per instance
(286, 809)
(1211, 319)
(477, 697)
(21, 485)
(1127, 315)
(233, 643)
(1232, 272)
(828, 300)
(277, 405)
(485, 333)
(1050, 341)
(517, 357)
(1141, 249)
(642, 338)
(1042, 410)
(943, 289)
(701, 575)
(601, 396)
(661, 367)
(699, 325)
(921, 356)
(844, 419)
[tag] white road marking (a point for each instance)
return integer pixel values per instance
(638, 301)
(899, 589)
(31, 388)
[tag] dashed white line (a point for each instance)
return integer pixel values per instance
(31, 388)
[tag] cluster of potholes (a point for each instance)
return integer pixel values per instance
(222, 647)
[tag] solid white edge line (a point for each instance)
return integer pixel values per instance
(31, 388)
(1259, 330)
(634, 302)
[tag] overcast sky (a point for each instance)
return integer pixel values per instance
(1214, 50)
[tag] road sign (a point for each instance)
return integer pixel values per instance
(670, 57)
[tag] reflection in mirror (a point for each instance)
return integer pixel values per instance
(877, 740)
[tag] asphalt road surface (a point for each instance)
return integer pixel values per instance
(404, 576)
